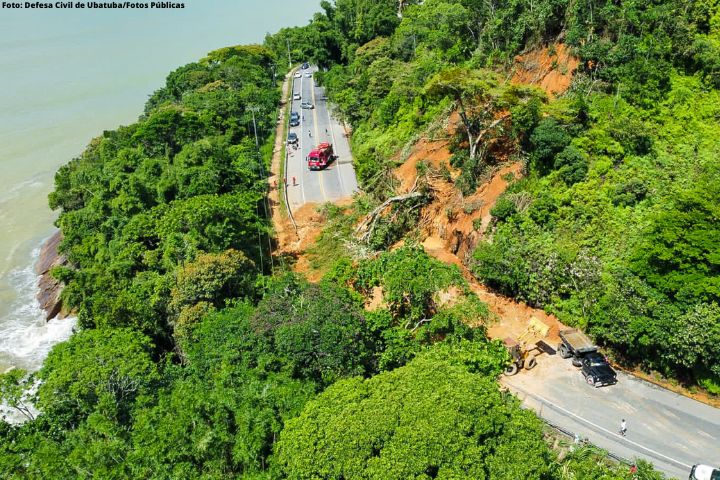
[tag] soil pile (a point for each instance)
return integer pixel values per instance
(550, 68)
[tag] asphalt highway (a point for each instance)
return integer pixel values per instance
(335, 182)
(671, 431)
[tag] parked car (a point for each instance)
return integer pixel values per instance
(305, 65)
(307, 105)
(297, 75)
(704, 472)
(294, 115)
(296, 96)
(294, 122)
(292, 138)
(597, 371)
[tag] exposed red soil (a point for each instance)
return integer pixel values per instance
(551, 71)
(375, 301)
(460, 222)
(452, 225)
(310, 223)
(432, 152)
(511, 316)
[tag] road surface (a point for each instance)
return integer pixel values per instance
(317, 125)
(671, 431)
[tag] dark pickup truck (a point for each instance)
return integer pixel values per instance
(597, 371)
(594, 366)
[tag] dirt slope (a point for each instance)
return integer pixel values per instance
(310, 224)
(512, 316)
(452, 225)
(551, 68)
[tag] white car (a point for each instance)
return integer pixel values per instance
(296, 96)
(704, 472)
(298, 75)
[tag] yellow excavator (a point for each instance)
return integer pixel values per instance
(524, 349)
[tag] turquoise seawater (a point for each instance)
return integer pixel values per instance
(67, 75)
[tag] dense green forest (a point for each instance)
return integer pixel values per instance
(199, 355)
(614, 226)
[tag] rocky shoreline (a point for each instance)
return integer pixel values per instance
(49, 288)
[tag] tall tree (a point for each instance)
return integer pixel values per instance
(474, 96)
(431, 418)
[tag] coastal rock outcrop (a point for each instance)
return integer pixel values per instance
(49, 288)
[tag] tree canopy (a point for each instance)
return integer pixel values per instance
(195, 359)
(442, 421)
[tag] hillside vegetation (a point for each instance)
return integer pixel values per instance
(199, 355)
(614, 226)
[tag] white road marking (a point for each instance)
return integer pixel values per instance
(613, 434)
(317, 136)
(335, 145)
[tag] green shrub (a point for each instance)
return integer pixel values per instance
(572, 165)
(547, 140)
(503, 209)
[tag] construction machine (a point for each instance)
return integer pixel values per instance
(524, 349)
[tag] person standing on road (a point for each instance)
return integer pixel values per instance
(309, 134)
(623, 427)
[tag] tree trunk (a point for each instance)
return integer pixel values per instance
(481, 135)
(366, 227)
(467, 125)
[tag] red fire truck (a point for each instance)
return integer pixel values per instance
(320, 156)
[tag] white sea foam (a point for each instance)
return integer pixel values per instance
(25, 337)
(47, 116)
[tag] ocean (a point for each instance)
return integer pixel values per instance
(65, 76)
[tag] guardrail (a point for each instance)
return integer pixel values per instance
(648, 453)
(577, 439)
